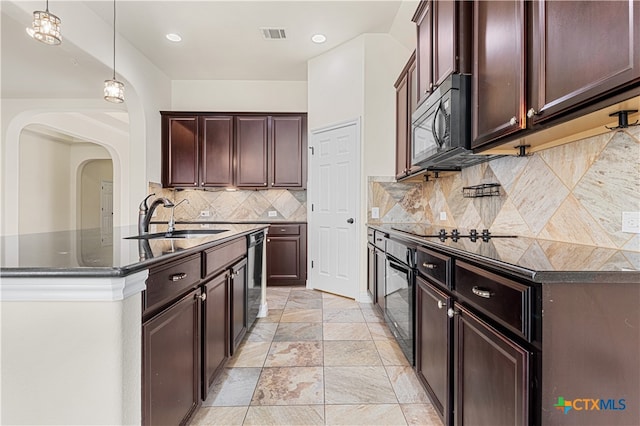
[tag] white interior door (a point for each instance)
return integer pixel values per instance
(334, 196)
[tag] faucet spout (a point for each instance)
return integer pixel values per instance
(146, 212)
(172, 221)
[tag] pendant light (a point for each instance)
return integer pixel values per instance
(114, 89)
(45, 27)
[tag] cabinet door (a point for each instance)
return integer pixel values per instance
(238, 303)
(444, 40)
(251, 151)
(216, 168)
(424, 22)
(402, 130)
(215, 329)
(433, 353)
(283, 260)
(180, 151)
(492, 375)
(171, 363)
(498, 71)
(288, 152)
(582, 50)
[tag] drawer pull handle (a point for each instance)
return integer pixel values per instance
(283, 230)
(441, 304)
(179, 276)
(429, 265)
(481, 293)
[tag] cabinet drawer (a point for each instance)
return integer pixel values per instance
(504, 300)
(435, 266)
(275, 230)
(219, 257)
(168, 282)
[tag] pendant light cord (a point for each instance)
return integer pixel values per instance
(114, 39)
(47, 6)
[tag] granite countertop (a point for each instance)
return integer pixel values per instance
(85, 253)
(531, 258)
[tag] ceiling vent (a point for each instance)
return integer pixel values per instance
(273, 33)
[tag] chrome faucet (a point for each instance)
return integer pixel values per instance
(172, 221)
(145, 213)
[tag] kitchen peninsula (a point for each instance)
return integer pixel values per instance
(75, 302)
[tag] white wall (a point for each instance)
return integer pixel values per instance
(44, 185)
(355, 80)
(238, 96)
(403, 29)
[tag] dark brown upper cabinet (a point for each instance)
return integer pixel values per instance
(443, 42)
(251, 151)
(288, 152)
(406, 103)
(180, 141)
(582, 50)
(541, 63)
(240, 149)
(498, 105)
(216, 167)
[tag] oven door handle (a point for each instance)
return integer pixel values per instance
(393, 264)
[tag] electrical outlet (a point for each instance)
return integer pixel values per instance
(205, 213)
(375, 212)
(273, 213)
(631, 222)
(443, 215)
(204, 225)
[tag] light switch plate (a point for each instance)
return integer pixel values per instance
(375, 212)
(273, 213)
(443, 215)
(205, 213)
(631, 222)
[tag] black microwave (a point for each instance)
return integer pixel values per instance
(441, 128)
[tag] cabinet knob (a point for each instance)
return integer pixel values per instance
(531, 112)
(513, 121)
(272, 183)
(451, 312)
(426, 91)
(202, 296)
(430, 85)
(441, 304)
(202, 184)
(268, 240)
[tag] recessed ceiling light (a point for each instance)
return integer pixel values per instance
(173, 37)
(318, 38)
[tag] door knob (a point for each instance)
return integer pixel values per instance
(350, 220)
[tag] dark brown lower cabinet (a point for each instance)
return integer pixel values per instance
(287, 254)
(171, 363)
(215, 326)
(491, 374)
(238, 303)
(433, 346)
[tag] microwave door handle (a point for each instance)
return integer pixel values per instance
(433, 126)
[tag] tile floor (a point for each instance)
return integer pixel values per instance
(317, 359)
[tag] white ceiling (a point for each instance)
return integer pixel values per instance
(221, 41)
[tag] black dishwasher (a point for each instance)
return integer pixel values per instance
(255, 243)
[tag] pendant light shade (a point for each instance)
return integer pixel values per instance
(114, 89)
(45, 27)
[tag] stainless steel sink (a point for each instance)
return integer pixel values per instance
(179, 234)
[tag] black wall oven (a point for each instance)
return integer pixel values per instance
(400, 294)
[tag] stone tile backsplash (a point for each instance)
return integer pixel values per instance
(234, 206)
(572, 193)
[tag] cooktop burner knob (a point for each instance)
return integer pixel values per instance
(486, 235)
(443, 235)
(454, 235)
(473, 235)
